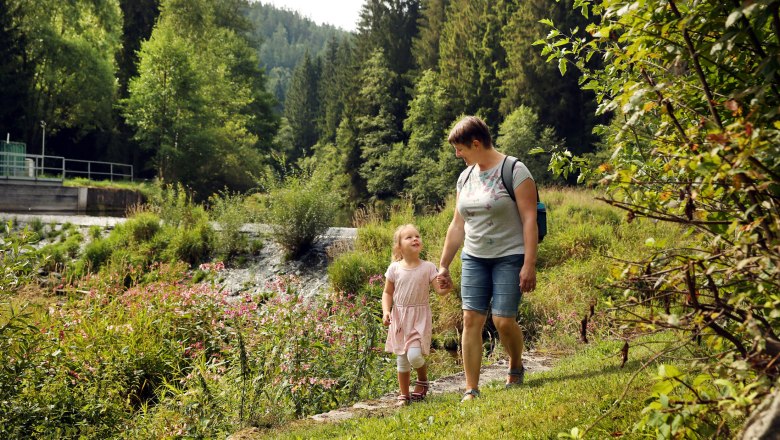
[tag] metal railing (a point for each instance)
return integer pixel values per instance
(17, 166)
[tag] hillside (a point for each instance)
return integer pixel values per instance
(285, 37)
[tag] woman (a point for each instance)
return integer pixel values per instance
(499, 238)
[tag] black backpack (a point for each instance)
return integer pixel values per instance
(507, 167)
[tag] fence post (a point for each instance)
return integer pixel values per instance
(112, 171)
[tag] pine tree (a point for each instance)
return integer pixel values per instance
(376, 124)
(302, 108)
(391, 25)
(529, 80)
(471, 55)
(426, 44)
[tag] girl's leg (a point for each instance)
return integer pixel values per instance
(417, 360)
(404, 374)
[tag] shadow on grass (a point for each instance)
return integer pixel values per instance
(535, 381)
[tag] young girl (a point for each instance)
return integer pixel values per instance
(406, 310)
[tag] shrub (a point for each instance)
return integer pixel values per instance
(300, 209)
(141, 227)
(229, 212)
(191, 245)
(351, 271)
(97, 252)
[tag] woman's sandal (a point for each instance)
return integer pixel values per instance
(425, 385)
(470, 395)
(402, 400)
(519, 374)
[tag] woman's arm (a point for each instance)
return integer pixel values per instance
(456, 233)
(387, 301)
(525, 194)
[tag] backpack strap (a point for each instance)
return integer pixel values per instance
(507, 169)
(471, 168)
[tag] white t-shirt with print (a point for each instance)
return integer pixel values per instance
(492, 222)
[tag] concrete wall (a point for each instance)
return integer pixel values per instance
(37, 197)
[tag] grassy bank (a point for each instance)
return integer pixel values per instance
(140, 349)
(575, 394)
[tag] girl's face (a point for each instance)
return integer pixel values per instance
(410, 241)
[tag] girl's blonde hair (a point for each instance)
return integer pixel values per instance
(397, 256)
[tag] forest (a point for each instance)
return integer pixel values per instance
(216, 95)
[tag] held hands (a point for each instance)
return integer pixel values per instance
(386, 318)
(443, 279)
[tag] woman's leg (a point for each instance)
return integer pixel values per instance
(511, 336)
(506, 299)
(476, 288)
(473, 322)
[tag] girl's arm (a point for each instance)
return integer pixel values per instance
(525, 194)
(387, 301)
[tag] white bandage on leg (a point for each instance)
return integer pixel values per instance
(403, 364)
(415, 357)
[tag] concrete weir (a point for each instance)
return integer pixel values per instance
(43, 197)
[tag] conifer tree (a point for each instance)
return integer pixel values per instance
(529, 80)
(426, 44)
(376, 124)
(302, 108)
(471, 55)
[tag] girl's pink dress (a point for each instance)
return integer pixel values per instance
(410, 318)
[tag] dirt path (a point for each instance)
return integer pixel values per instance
(447, 384)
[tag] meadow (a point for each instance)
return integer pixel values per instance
(128, 336)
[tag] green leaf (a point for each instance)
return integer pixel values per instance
(547, 21)
(537, 150)
(668, 371)
(562, 66)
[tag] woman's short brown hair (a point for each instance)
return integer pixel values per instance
(467, 130)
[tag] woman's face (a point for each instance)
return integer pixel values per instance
(465, 152)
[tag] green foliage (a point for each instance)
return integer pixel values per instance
(199, 103)
(17, 260)
(377, 129)
(697, 145)
(230, 213)
(470, 56)
(299, 209)
(302, 108)
(520, 134)
(351, 271)
(69, 48)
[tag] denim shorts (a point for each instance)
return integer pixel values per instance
(491, 280)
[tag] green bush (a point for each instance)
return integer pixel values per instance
(191, 245)
(229, 212)
(141, 227)
(351, 271)
(375, 239)
(97, 253)
(300, 209)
